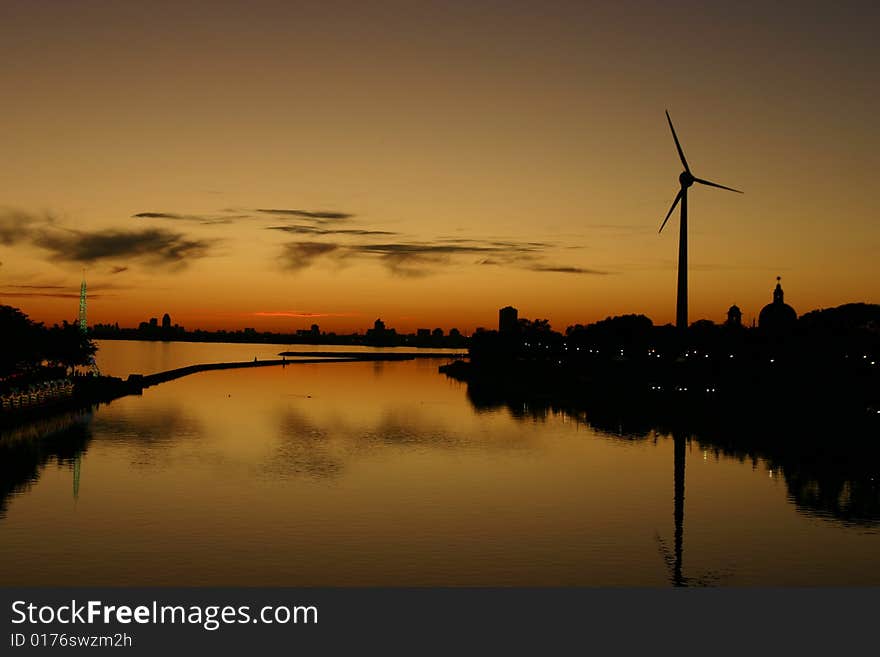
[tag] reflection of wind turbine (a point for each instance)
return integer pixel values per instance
(686, 179)
(675, 559)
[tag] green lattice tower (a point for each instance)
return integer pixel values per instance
(83, 324)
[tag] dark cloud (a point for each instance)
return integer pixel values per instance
(416, 259)
(420, 258)
(412, 264)
(318, 215)
(51, 291)
(562, 269)
(228, 215)
(420, 248)
(158, 215)
(522, 246)
(299, 255)
(499, 244)
(152, 245)
(523, 263)
(55, 295)
(315, 230)
(198, 218)
(510, 259)
(17, 226)
(401, 259)
(118, 270)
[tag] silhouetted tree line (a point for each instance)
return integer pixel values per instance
(829, 359)
(851, 329)
(31, 350)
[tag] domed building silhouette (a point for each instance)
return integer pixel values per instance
(777, 317)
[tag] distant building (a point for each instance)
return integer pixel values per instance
(166, 321)
(379, 335)
(508, 320)
(777, 317)
(154, 323)
(734, 316)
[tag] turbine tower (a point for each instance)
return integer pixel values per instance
(686, 179)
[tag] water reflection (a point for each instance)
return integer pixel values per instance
(304, 449)
(831, 468)
(311, 449)
(831, 465)
(674, 559)
(149, 435)
(27, 449)
(339, 474)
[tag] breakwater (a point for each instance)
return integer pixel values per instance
(145, 381)
(296, 357)
(373, 355)
(85, 391)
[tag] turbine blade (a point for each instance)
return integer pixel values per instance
(677, 144)
(669, 214)
(711, 184)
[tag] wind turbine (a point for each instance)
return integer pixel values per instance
(686, 179)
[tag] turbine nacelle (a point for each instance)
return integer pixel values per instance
(686, 178)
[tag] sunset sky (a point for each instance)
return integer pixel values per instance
(275, 164)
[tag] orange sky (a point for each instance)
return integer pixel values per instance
(444, 160)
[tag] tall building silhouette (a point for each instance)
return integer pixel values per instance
(508, 320)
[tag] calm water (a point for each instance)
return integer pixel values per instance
(386, 473)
